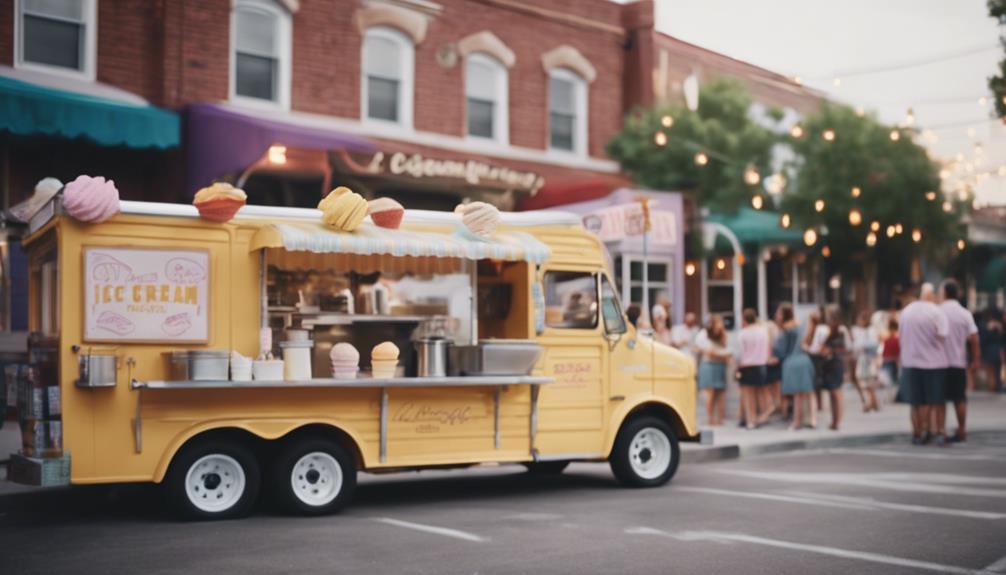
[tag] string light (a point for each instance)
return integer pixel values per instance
(721, 264)
(751, 176)
(910, 118)
(690, 269)
(871, 239)
(895, 135)
(874, 226)
(945, 173)
(775, 183)
(948, 207)
(898, 229)
(757, 202)
(798, 80)
(819, 206)
(667, 121)
(960, 245)
(809, 237)
(837, 82)
(983, 101)
(701, 158)
(856, 191)
(796, 131)
(826, 251)
(931, 196)
(860, 111)
(660, 138)
(855, 217)
(784, 221)
(916, 235)
(828, 135)
(890, 231)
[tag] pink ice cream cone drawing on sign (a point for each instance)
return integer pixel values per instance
(110, 270)
(91, 200)
(177, 324)
(115, 323)
(183, 271)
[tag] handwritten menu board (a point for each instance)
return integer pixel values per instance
(146, 295)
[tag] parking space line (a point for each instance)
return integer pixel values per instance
(447, 532)
(875, 504)
(725, 537)
(773, 497)
(901, 483)
(941, 456)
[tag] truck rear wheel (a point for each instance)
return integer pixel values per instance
(314, 476)
(214, 480)
(645, 454)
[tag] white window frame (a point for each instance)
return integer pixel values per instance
(406, 92)
(88, 72)
(501, 105)
(580, 146)
(285, 56)
(628, 283)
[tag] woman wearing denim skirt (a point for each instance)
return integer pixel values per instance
(711, 344)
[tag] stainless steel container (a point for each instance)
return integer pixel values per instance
(495, 357)
(199, 364)
(96, 370)
(432, 357)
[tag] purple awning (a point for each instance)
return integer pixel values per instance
(221, 140)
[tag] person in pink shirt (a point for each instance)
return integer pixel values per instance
(756, 348)
(963, 331)
(924, 328)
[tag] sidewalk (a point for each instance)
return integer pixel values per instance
(986, 412)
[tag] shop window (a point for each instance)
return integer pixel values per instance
(57, 35)
(486, 97)
(260, 52)
(567, 111)
(570, 300)
(629, 276)
(388, 59)
(614, 321)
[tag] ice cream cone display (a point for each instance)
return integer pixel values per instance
(343, 209)
(219, 202)
(384, 360)
(91, 200)
(345, 360)
(386, 213)
(480, 218)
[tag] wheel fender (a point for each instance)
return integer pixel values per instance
(267, 430)
(630, 405)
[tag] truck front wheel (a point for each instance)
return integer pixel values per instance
(214, 480)
(314, 476)
(645, 454)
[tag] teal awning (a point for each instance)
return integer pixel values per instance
(993, 276)
(757, 227)
(29, 109)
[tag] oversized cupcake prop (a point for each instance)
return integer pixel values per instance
(92, 200)
(343, 209)
(219, 202)
(386, 213)
(480, 218)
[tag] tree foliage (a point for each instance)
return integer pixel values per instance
(721, 128)
(997, 83)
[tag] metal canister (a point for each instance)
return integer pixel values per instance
(432, 357)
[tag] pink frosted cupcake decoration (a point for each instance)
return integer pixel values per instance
(90, 199)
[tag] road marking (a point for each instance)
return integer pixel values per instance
(874, 504)
(951, 478)
(433, 529)
(943, 456)
(724, 537)
(773, 497)
(533, 516)
(997, 567)
(866, 480)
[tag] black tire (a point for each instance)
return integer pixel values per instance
(283, 481)
(621, 455)
(546, 467)
(215, 481)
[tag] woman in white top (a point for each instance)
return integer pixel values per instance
(865, 343)
(832, 343)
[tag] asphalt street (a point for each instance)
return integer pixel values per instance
(884, 509)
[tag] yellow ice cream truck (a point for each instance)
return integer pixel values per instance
(512, 348)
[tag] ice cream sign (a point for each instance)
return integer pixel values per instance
(146, 295)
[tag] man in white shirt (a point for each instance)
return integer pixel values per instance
(924, 328)
(683, 334)
(962, 332)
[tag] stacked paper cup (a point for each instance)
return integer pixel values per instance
(241, 367)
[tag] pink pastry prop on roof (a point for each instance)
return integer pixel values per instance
(219, 202)
(480, 218)
(386, 213)
(91, 200)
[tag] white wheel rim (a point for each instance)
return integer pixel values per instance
(650, 453)
(215, 483)
(316, 478)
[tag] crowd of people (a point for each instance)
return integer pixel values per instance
(920, 354)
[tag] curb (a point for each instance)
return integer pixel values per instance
(736, 451)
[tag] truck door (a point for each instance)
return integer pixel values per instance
(571, 410)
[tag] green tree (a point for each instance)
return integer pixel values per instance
(897, 183)
(721, 129)
(997, 83)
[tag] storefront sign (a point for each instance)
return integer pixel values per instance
(146, 295)
(619, 222)
(471, 172)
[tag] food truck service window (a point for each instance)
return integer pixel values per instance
(570, 300)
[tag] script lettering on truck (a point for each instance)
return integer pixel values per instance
(146, 295)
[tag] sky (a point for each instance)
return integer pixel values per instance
(820, 40)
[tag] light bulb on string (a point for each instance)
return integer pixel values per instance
(826, 251)
(819, 206)
(721, 264)
(895, 135)
(916, 235)
(837, 82)
(796, 131)
(751, 176)
(960, 245)
(809, 237)
(898, 229)
(931, 196)
(871, 239)
(690, 269)
(784, 221)
(856, 191)
(910, 118)
(983, 101)
(667, 121)
(855, 217)
(660, 138)
(944, 174)
(701, 159)
(798, 80)
(874, 226)
(948, 207)
(860, 111)
(828, 135)
(775, 183)
(757, 202)
(890, 231)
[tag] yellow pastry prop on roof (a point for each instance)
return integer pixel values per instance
(343, 209)
(219, 202)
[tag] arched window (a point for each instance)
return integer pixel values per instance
(486, 97)
(567, 111)
(260, 52)
(388, 59)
